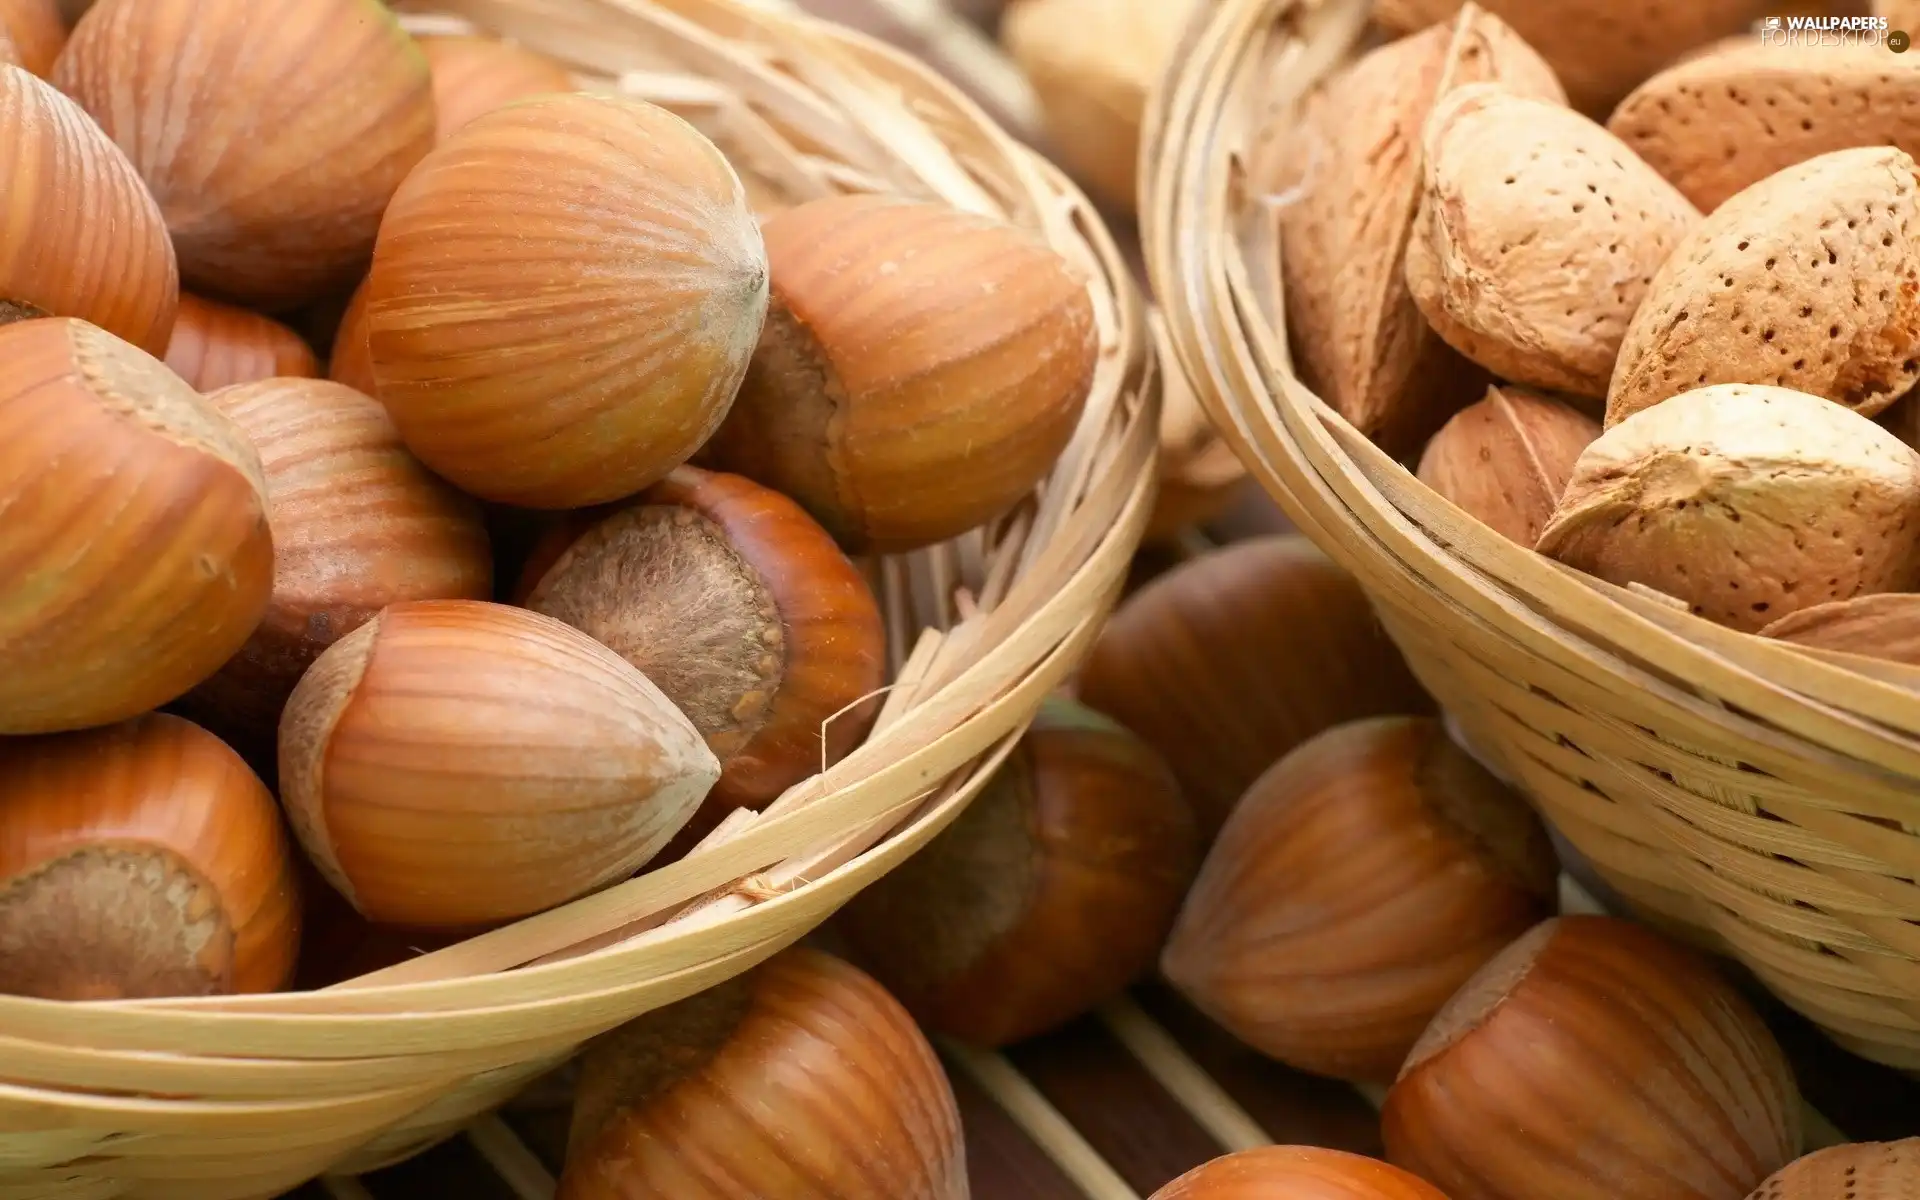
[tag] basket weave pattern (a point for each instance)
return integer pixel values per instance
(240, 1097)
(1761, 799)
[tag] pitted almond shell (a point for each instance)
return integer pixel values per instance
(1601, 49)
(1883, 626)
(1537, 236)
(1506, 459)
(1855, 1171)
(1720, 123)
(1748, 503)
(1809, 280)
(1351, 178)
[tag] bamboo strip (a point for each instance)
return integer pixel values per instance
(510, 1159)
(1041, 1121)
(1817, 1132)
(1578, 901)
(345, 1187)
(1163, 1058)
(1687, 726)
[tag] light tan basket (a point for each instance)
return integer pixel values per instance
(1761, 798)
(223, 1099)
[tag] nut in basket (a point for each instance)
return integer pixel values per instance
(1648, 603)
(779, 603)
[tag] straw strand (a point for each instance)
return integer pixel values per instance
(1040, 1121)
(1185, 1080)
(510, 1159)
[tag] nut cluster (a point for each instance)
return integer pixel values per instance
(1635, 214)
(303, 321)
(433, 490)
(359, 592)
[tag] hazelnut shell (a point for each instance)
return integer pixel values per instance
(136, 557)
(98, 248)
(746, 615)
(1362, 881)
(802, 1079)
(1048, 896)
(276, 188)
(1593, 1060)
(216, 345)
(921, 369)
(579, 273)
(357, 525)
(453, 764)
(1231, 660)
(141, 860)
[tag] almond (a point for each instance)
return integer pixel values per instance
(1808, 280)
(1537, 235)
(1720, 123)
(1886, 626)
(1601, 49)
(1351, 175)
(1749, 503)
(1506, 459)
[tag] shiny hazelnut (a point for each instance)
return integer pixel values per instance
(921, 369)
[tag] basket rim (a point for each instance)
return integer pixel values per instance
(1014, 659)
(1795, 707)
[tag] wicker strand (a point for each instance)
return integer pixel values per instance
(1040, 1121)
(510, 1159)
(207, 1096)
(345, 1187)
(1754, 797)
(1173, 1069)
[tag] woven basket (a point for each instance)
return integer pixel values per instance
(230, 1098)
(1763, 799)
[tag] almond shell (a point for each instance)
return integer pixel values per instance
(1506, 459)
(1718, 124)
(1601, 49)
(1350, 179)
(1537, 236)
(1808, 280)
(1748, 503)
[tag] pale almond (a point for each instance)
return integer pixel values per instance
(1537, 235)
(1350, 178)
(1884, 626)
(1808, 280)
(1748, 503)
(1720, 123)
(1506, 459)
(1601, 49)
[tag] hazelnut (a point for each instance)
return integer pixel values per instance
(740, 608)
(1048, 896)
(573, 272)
(921, 369)
(271, 132)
